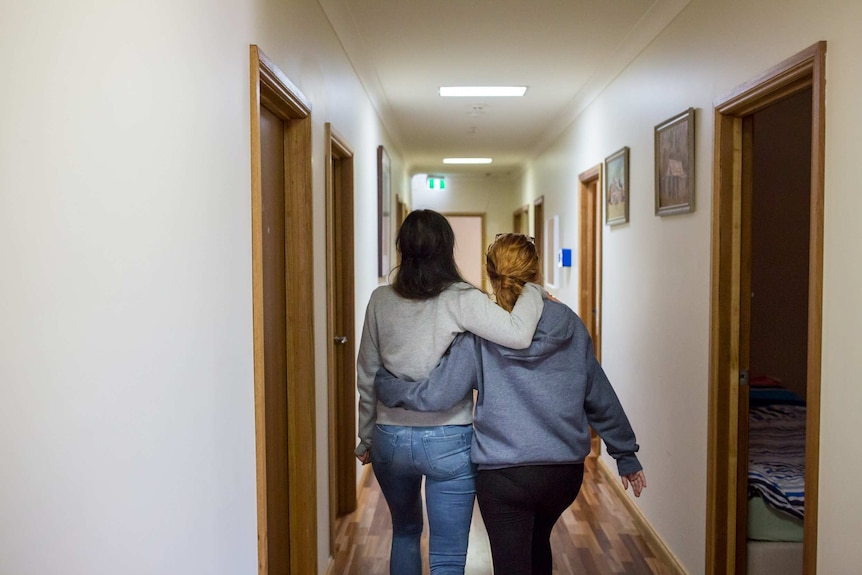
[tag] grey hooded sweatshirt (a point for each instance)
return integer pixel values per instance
(534, 406)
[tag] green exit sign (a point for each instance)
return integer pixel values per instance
(436, 183)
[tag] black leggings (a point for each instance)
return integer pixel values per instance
(520, 506)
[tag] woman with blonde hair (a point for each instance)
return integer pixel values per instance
(532, 418)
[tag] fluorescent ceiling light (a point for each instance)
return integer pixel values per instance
(482, 91)
(467, 160)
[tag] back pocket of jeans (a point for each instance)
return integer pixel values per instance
(383, 448)
(448, 455)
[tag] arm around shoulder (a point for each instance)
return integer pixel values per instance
(489, 321)
(447, 385)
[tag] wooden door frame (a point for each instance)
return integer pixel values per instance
(401, 211)
(269, 87)
(519, 217)
(586, 287)
(341, 316)
(539, 227)
(588, 291)
(802, 71)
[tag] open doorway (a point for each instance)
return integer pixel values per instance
(767, 258)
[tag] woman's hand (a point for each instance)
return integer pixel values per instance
(637, 480)
(365, 458)
(551, 297)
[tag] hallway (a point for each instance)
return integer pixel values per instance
(596, 535)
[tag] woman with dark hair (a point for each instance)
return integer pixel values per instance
(534, 410)
(408, 326)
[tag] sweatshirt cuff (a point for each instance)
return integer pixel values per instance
(628, 464)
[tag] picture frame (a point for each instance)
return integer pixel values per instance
(674, 165)
(616, 183)
(384, 212)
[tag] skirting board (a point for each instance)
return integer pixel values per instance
(650, 536)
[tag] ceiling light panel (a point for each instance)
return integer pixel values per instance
(467, 160)
(482, 91)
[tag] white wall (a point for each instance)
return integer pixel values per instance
(493, 196)
(656, 270)
(126, 367)
(126, 418)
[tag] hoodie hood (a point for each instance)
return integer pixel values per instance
(556, 328)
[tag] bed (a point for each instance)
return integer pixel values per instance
(776, 481)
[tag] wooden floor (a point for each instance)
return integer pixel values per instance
(595, 536)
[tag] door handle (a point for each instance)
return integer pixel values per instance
(340, 339)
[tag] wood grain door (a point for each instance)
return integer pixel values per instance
(341, 347)
(590, 254)
(275, 340)
(590, 264)
(283, 322)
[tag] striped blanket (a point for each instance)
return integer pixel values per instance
(776, 456)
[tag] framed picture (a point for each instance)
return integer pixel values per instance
(384, 212)
(674, 165)
(617, 187)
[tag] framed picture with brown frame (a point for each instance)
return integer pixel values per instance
(384, 212)
(617, 187)
(674, 165)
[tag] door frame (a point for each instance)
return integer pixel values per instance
(269, 87)
(590, 260)
(519, 219)
(539, 226)
(731, 176)
(590, 263)
(401, 212)
(341, 323)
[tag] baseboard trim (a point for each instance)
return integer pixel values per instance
(652, 538)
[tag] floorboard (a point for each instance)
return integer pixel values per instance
(596, 535)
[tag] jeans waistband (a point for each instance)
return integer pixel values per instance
(432, 431)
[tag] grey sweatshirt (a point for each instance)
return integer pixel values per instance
(534, 406)
(409, 337)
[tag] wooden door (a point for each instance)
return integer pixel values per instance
(590, 264)
(275, 339)
(520, 220)
(590, 254)
(283, 322)
(539, 227)
(341, 347)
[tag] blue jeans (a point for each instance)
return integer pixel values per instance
(400, 457)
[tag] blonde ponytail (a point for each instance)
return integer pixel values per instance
(511, 261)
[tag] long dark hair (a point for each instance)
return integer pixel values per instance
(427, 245)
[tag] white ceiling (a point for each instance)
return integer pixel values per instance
(564, 51)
